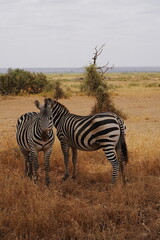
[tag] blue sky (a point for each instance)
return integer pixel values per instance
(63, 33)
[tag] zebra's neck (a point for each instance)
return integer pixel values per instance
(58, 111)
(37, 127)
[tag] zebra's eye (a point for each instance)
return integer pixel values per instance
(50, 118)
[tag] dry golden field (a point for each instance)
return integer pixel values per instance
(88, 208)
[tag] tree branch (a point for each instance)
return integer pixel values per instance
(97, 53)
(104, 68)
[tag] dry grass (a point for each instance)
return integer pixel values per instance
(87, 208)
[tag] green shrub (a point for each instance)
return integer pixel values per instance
(92, 80)
(104, 104)
(18, 81)
(94, 85)
(58, 91)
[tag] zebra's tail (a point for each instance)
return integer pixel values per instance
(124, 149)
(122, 146)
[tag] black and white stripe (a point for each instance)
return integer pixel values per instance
(34, 134)
(90, 133)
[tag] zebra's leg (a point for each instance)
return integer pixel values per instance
(122, 171)
(26, 158)
(34, 160)
(121, 165)
(111, 156)
(121, 161)
(74, 161)
(65, 150)
(47, 155)
(30, 169)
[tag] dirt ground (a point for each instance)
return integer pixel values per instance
(142, 109)
(11, 108)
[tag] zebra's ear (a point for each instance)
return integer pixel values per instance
(46, 102)
(52, 103)
(49, 102)
(37, 104)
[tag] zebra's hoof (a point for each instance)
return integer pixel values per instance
(35, 179)
(65, 177)
(30, 175)
(113, 181)
(125, 181)
(73, 178)
(47, 182)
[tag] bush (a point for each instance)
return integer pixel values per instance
(58, 91)
(94, 85)
(18, 80)
(92, 80)
(104, 104)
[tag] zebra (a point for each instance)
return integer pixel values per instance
(35, 133)
(90, 133)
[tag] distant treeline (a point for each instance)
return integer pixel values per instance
(114, 69)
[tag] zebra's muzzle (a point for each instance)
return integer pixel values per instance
(45, 136)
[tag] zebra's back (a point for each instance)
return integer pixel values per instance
(87, 133)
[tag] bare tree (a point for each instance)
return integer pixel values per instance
(94, 84)
(97, 52)
(106, 67)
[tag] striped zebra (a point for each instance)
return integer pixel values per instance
(34, 134)
(90, 133)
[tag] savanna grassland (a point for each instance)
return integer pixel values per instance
(88, 208)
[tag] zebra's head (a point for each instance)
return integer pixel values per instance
(45, 118)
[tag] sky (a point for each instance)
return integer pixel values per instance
(64, 33)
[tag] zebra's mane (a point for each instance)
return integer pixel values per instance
(62, 106)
